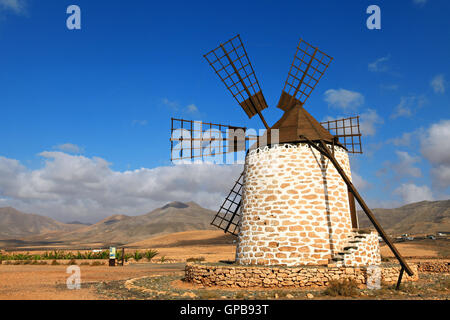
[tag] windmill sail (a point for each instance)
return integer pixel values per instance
(229, 215)
(190, 140)
(231, 63)
(306, 70)
(347, 131)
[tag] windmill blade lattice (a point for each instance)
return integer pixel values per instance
(229, 215)
(231, 63)
(308, 67)
(347, 131)
(198, 140)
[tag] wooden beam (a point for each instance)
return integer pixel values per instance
(323, 149)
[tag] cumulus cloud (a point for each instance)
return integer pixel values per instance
(170, 103)
(410, 193)
(15, 6)
(404, 140)
(69, 147)
(389, 86)
(438, 83)
(420, 2)
(176, 106)
(139, 122)
(359, 182)
(408, 106)
(404, 167)
(379, 65)
(369, 122)
(435, 147)
(192, 108)
(344, 99)
(73, 187)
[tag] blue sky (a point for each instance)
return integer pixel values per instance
(107, 92)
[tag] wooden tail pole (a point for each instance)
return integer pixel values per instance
(323, 149)
(399, 281)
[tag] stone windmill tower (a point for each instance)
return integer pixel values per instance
(294, 203)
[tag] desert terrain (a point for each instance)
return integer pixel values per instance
(160, 276)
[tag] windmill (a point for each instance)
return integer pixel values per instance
(294, 203)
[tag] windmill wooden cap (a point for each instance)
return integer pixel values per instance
(298, 122)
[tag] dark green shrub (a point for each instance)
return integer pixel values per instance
(150, 254)
(137, 255)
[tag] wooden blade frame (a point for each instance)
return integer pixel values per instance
(229, 216)
(195, 144)
(308, 67)
(231, 63)
(347, 131)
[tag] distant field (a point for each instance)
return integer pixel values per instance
(422, 248)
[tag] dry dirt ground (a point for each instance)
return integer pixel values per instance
(102, 282)
(25, 282)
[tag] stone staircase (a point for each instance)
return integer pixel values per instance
(362, 248)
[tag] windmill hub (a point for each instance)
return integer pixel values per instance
(295, 208)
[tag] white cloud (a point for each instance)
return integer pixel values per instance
(405, 165)
(389, 86)
(404, 140)
(16, 6)
(169, 103)
(69, 147)
(438, 83)
(359, 182)
(435, 147)
(369, 122)
(139, 122)
(436, 143)
(408, 106)
(74, 187)
(175, 106)
(379, 65)
(192, 108)
(344, 99)
(420, 2)
(410, 193)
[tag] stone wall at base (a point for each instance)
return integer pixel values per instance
(276, 277)
(439, 267)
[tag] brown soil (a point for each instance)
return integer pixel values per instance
(213, 245)
(49, 282)
(33, 282)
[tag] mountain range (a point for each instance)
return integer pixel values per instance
(424, 217)
(116, 229)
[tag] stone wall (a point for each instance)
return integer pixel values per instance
(438, 266)
(295, 208)
(277, 277)
(362, 250)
